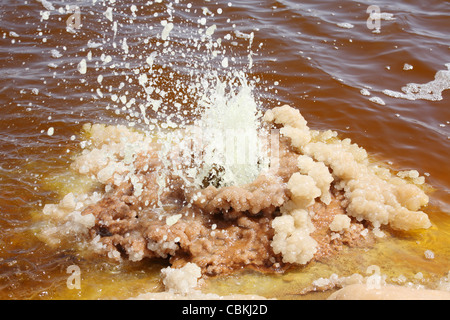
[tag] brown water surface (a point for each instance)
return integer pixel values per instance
(303, 55)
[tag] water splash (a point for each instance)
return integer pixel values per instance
(230, 125)
(206, 91)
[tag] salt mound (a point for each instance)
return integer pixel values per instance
(373, 194)
(322, 195)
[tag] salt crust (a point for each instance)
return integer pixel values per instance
(182, 283)
(181, 280)
(373, 193)
(292, 237)
(387, 292)
(111, 155)
(108, 160)
(65, 218)
(340, 223)
(294, 125)
(319, 173)
(375, 286)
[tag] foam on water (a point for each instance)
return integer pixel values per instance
(428, 91)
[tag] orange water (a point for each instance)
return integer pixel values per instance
(305, 59)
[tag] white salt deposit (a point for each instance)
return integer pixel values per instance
(340, 222)
(292, 237)
(166, 31)
(429, 254)
(377, 100)
(345, 25)
(407, 67)
(82, 66)
(225, 62)
(47, 4)
(109, 14)
(181, 280)
(210, 31)
(173, 219)
(374, 194)
(45, 15)
(365, 92)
